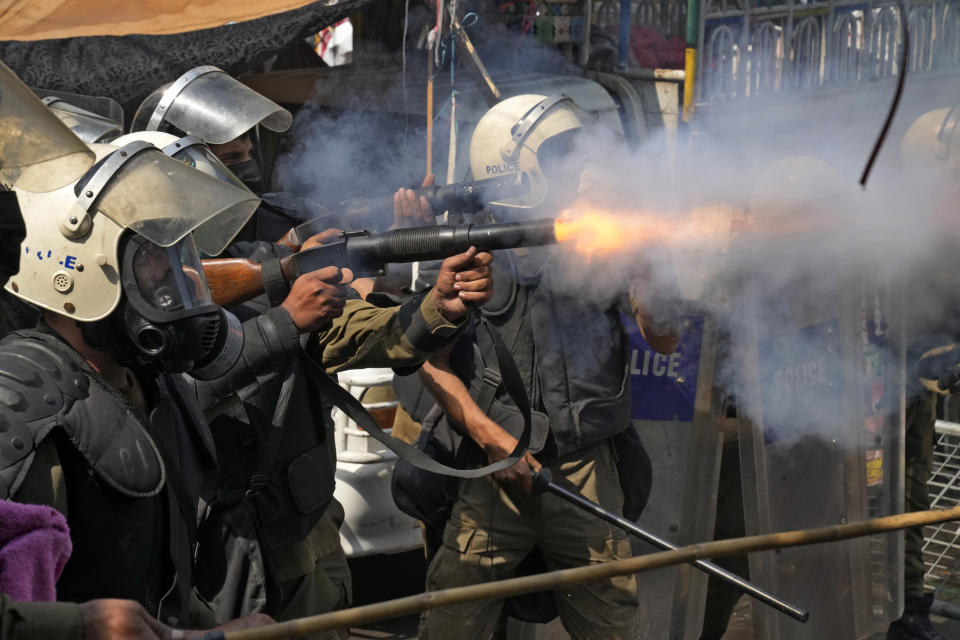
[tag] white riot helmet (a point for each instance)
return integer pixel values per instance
(122, 234)
(933, 141)
(37, 152)
(87, 125)
(192, 151)
(210, 104)
(529, 136)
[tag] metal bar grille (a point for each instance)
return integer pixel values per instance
(750, 48)
(756, 47)
(941, 547)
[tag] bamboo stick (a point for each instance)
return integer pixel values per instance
(593, 573)
(429, 113)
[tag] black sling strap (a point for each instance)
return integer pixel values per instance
(260, 478)
(512, 382)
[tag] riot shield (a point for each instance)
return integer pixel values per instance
(676, 413)
(821, 393)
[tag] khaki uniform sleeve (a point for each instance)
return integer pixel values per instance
(47, 620)
(370, 336)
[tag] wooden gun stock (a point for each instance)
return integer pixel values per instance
(233, 281)
(290, 240)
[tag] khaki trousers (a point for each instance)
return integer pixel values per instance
(313, 573)
(494, 526)
(918, 444)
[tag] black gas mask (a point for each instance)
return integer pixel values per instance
(167, 313)
(249, 174)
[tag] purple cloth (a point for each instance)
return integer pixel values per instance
(34, 547)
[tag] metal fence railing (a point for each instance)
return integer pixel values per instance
(757, 47)
(669, 17)
(941, 548)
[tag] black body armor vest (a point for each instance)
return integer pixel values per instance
(573, 358)
(132, 481)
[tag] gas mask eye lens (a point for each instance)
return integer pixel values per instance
(169, 279)
(164, 298)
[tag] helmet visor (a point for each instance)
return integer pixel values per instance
(209, 234)
(216, 107)
(37, 152)
(562, 154)
(199, 156)
(163, 200)
(87, 125)
(949, 126)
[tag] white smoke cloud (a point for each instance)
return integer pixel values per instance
(811, 231)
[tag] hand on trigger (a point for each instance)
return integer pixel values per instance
(316, 298)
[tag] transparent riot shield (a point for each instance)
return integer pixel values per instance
(820, 425)
(676, 414)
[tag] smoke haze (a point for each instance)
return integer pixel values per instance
(755, 221)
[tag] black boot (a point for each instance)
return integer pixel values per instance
(915, 623)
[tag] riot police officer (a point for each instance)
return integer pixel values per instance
(296, 517)
(94, 424)
(571, 352)
(930, 155)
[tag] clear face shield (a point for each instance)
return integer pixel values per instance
(87, 125)
(37, 152)
(207, 103)
(948, 140)
(163, 199)
(561, 162)
(194, 153)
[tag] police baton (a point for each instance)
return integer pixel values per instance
(543, 482)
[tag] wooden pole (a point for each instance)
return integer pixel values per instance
(475, 67)
(429, 112)
(593, 573)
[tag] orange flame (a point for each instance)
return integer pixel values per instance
(594, 232)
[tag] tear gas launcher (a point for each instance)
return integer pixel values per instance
(460, 197)
(236, 280)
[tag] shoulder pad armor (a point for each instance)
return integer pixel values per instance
(36, 385)
(42, 384)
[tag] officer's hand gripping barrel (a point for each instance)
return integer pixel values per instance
(459, 197)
